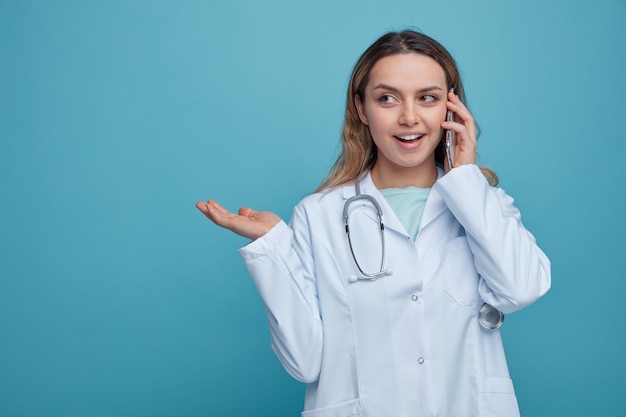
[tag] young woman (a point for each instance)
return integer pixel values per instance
(400, 320)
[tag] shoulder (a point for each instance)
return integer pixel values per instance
(322, 200)
(319, 208)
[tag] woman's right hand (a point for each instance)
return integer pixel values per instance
(248, 223)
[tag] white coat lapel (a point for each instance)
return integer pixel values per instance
(390, 220)
(434, 205)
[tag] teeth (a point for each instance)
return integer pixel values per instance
(409, 137)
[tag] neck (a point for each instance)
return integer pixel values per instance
(423, 176)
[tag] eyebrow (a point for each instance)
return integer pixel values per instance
(395, 90)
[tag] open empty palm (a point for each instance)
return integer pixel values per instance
(247, 223)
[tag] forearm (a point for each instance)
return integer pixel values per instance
(290, 302)
(514, 271)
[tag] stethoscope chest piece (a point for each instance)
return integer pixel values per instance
(489, 317)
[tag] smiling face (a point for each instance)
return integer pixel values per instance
(404, 104)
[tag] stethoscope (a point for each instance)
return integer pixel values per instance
(489, 317)
(366, 275)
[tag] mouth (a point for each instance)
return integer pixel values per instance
(409, 138)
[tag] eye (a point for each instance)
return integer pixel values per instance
(428, 98)
(386, 99)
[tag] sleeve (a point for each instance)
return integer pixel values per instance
(281, 269)
(514, 271)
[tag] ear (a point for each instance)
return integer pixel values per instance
(360, 109)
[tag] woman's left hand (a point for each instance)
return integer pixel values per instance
(463, 125)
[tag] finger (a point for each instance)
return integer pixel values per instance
(455, 100)
(465, 140)
(215, 212)
(201, 205)
(461, 113)
(463, 123)
(216, 207)
(455, 104)
(463, 132)
(205, 206)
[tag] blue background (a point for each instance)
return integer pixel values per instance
(118, 298)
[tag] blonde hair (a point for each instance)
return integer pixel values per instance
(358, 153)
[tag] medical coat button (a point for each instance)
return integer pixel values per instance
(420, 360)
(414, 297)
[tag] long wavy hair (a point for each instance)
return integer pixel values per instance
(358, 152)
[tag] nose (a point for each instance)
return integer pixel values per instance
(409, 115)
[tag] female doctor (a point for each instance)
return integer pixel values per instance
(402, 319)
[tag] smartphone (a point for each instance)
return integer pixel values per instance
(450, 138)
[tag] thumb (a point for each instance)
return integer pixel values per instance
(246, 211)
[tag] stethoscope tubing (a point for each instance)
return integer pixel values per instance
(379, 211)
(489, 317)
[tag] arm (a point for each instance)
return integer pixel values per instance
(514, 271)
(281, 267)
